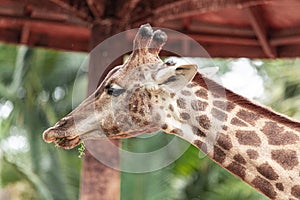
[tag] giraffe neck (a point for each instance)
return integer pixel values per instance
(254, 143)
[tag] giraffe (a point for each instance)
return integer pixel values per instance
(145, 95)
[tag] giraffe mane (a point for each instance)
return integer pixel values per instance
(246, 103)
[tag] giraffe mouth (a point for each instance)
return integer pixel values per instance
(67, 142)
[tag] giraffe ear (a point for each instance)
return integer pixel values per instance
(176, 77)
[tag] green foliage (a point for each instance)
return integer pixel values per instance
(283, 86)
(81, 150)
(38, 84)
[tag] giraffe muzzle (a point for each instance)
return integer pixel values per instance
(63, 134)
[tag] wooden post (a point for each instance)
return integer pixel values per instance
(99, 181)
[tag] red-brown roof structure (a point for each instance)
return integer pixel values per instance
(225, 28)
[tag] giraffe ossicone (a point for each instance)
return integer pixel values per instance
(146, 94)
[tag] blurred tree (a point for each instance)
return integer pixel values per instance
(35, 91)
(282, 85)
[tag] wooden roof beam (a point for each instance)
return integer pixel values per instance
(180, 8)
(31, 9)
(25, 33)
(210, 28)
(219, 39)
(209, 38)
(97, 8)
(79, 13)
(44, 34)
(221, 51)
(258, 25)
(285, 40)
(125, 9)
(289, 51)
(23, 19)
(186, 22)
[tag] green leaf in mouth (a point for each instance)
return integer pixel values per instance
(81, 150)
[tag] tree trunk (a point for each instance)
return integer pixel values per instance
(99, 181)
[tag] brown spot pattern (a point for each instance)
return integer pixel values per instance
(279, 186)
(248, 116)
(203, 121)
(192, 84)
(239, 158)
(198, 132)
(201, 145)
(164, 126)
(171, 107)
(202, 93)
(219, 155)
(219, 114)
(235, 121)
(224, 105)
(181, 103)
(237, 169)
(277, 136)
(267, 171)
(185, 116)
(186, 93)
(248, 138)
(288, 159)
(296, 191)
(198, 105)
(264, 186)
(252, 154)
(224, 127)
(216, 95)
(157, 117)
(224, 141)
(177, 131)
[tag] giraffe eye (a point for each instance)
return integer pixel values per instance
(114, 91)
(170, 63)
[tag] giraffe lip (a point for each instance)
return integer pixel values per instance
(67, 142)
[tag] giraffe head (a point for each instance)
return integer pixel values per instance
(128, 102)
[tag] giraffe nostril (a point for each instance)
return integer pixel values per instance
(65, 122)
(61, 122)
